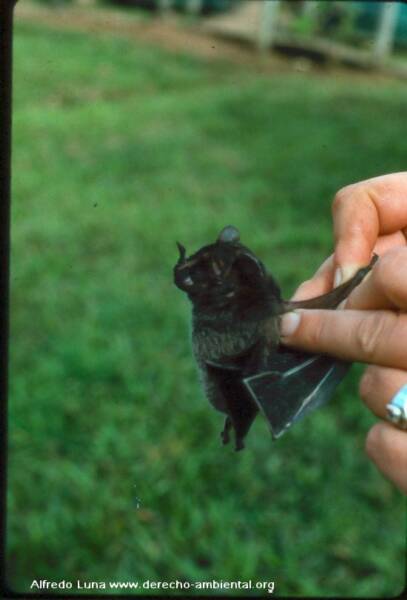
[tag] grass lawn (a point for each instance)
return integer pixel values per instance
(116, 472)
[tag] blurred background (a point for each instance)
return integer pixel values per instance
(137, 124)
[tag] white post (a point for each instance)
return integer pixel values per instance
(310, 8)
(194, 7)
(267, 25)
(164, 6)
(384, 39)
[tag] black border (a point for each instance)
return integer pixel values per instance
(6, 34)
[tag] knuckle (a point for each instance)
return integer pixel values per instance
(340, 198)
(372, 332)
(386, 274)
(354, 197)
(316, 332)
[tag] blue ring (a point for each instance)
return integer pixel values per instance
(397, 408)
(400, 399)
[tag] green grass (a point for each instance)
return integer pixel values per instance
(119, 150)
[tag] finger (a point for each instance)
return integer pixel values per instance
(388, 242)
(386, 446)
(376, 337)
(385, 286)
(379, 385)
(362, 212)
(320, 283)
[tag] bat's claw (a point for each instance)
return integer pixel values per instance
(239, 444)
(225, 437)
(224, 434)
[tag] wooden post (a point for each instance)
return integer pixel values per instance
(267, 26)
(384, 39)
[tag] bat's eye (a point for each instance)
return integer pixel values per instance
(188, 281)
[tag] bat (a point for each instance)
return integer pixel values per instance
(244, 367)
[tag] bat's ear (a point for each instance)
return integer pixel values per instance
(229, 235)
(182, 252)
(250, 269)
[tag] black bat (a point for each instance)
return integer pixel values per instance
(236, 309)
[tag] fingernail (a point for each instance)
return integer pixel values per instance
(289, 323)
(342, 274)
(338, 277)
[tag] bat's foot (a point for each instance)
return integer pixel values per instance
(239, 445)
(224, 434)
(225, 437)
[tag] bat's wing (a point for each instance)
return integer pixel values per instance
(297, 383)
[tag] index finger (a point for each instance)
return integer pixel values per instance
(364, 211)
(321, 282)
(385, 286)
(369, 336)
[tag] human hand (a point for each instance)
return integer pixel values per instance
(370, 216)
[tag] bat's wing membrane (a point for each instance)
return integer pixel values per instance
(297, 383)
